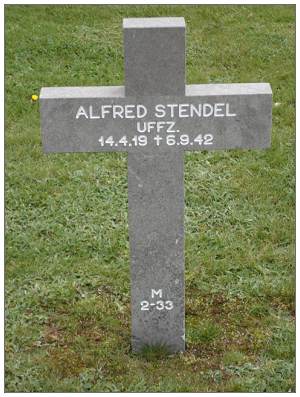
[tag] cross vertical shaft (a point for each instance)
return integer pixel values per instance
(155, 65)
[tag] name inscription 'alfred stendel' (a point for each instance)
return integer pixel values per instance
(170, 111)
(165, 118)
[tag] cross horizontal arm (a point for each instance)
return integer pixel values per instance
(209, 116)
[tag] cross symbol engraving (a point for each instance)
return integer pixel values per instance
(155, 117)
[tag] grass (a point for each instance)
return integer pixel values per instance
(67, 254)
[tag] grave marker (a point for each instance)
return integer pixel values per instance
(155, 117)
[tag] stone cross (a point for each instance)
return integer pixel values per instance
(155, 117)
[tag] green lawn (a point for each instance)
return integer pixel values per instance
(67, 251)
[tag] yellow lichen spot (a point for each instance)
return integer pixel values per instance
(34, 97)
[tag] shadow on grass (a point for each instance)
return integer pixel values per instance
(154, 352)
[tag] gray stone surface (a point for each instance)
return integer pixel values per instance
(250, 128)
(154, 56)
(206, 117)
(155, 65)
(82, 92)
(159, 22)
(156, 231)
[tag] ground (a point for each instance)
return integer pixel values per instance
(67, 252)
